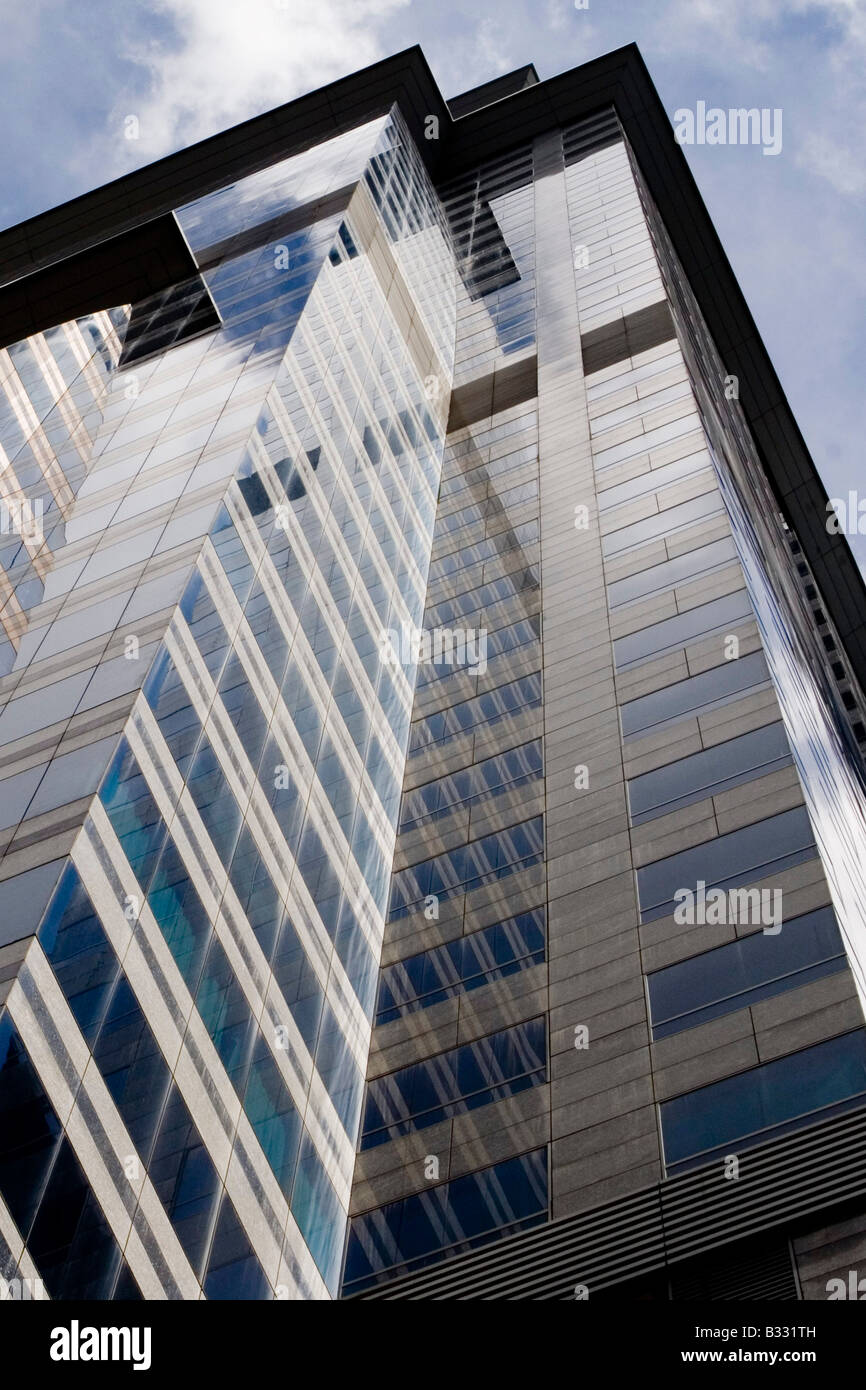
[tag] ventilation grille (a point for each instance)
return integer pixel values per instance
(754, 1269)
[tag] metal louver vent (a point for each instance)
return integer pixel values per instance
(760, 1269)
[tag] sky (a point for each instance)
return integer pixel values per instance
(793, 225)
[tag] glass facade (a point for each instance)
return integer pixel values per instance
(447, 1220)
(749, 1108)
(743, 972)
(53, 388)
(245, 824)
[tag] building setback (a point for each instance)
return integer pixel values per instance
(431, 714)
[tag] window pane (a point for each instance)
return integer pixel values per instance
(652, 479)
(695, 695)
(455, 1216)
(461, 965)
(650, 581)
(743, 855)
(684, 627)
(757, 967)
(468, 866)
(757, 1105)
(703, 774)
(483, 1071)
(665, 524)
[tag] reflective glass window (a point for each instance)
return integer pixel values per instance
(469, 866)
(473, 784)
(272, 1114)
(758, 1105)
(233, 1270)
(695, 695)
(704, 560)
(652, 480)
(317, 1210)
(132, 1066)
(185, 1179)
(665, 523)
(685, 627)
(455, 1082)
(755, 967)
(486, 709)
(80, 953)
(30, 1131)
(70, 1241)
(460, 966)
(448, 1219)
(704, 774)
(741, 856)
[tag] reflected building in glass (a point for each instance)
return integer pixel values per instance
(432, 723)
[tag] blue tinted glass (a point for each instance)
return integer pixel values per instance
(71, 1241)
(470, 866)
(461, 965)
(180, 915)
(233, 1270)
(226, 1014)
(298, 982)
(132, 1066)
(132, 810)
(272, 1115)
(318, 1212)
(741, 856)
(355, 952)
(339, 1071)
(483, 709)
(473, 784)
(126, 1290)
(757, 1105)
(320, 876)
(704, 774)
(243, 709)
(742, 972)
(215, 802)
(185, 1179)
(256, 893)
(178, 722)
(81, 956)
(452, 1083)
(29, 1129)
(692, 696)
(237, 565)
(455, 1216)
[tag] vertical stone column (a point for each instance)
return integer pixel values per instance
(604, 1131)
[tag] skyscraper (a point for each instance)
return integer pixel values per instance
(432, 726)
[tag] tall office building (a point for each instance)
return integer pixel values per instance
(431, 719)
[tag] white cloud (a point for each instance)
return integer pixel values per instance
(838, 158)
(557, 15)
(833, 149)
(818, 65)
(228, 60)
(491, 48)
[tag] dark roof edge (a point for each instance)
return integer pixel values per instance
(144, 193)
(497, 89)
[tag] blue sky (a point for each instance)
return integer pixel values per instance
(794, 226)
